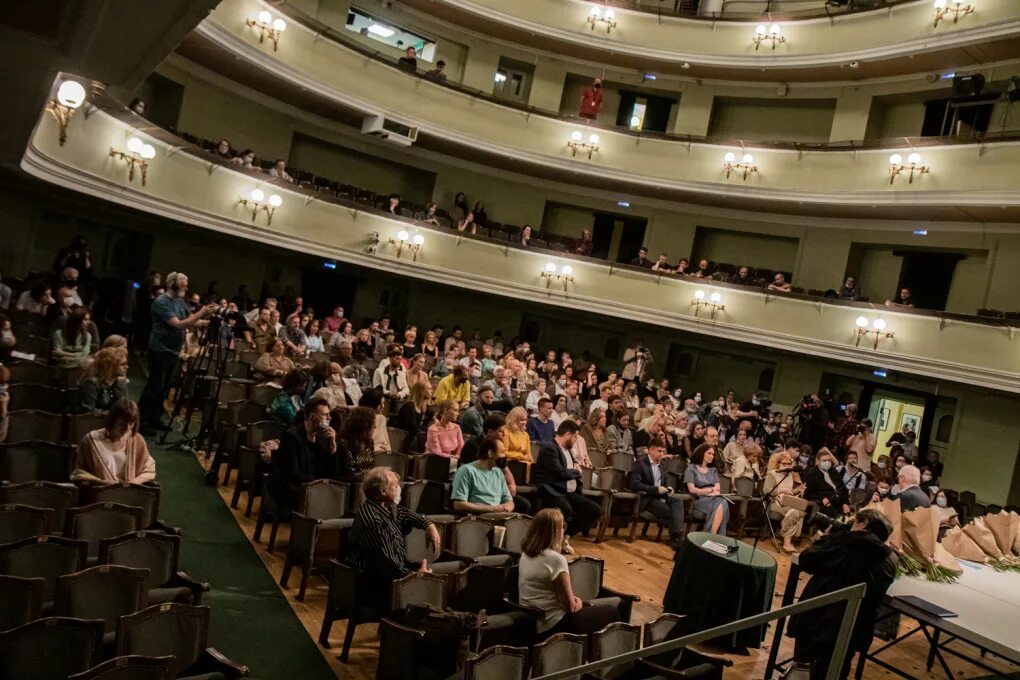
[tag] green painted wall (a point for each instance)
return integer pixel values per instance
(792, 120)
(753, 249)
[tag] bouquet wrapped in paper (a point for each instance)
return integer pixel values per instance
(983, 537)
(920, 529)
(962, 546)
(1004, 528)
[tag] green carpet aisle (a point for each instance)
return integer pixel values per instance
(251, 620)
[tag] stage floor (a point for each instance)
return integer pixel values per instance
(642, 568)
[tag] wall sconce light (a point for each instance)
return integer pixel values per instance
(912, 167)
(256, 202)
(577, 142)
(70, 96)
(414, 244)
(268, 27)
(565, 274)
(714, 302)
(958, 8)
(878, 330)
(746, 165)
(608, 17)
(138, 155)
(772, 33)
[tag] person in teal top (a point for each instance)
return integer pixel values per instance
(290, 399)
(480, 486)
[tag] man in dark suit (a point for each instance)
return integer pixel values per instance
(559, 480)
(648, 478)
(910, 495)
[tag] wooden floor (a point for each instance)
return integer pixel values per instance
(642, 568)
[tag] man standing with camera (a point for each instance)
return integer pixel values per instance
(635, 361)
(170, 320)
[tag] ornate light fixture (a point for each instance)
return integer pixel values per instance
(607, 17)
(714, 303)
(268, 27)
(577, 142)
(257, 202)
(912, 167)
(138, 155)
(746, 165)
(772, 33)
(70, 96)
(414, 244)
(565, 274)
(958, 8)
(877, 329)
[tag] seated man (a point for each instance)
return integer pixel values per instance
(471, 419)
(910, 495)
(559, 482)
(647, 477)
(377, 545)
(779, 284)
(454, 387)
(391, 375)
(480, 486)
(307, 452)
(540, 426)
(492, 428)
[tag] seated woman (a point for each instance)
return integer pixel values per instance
(619, 436)
(36, 300)
(735, 448)
(824, 485)
(695, 437)
(702, 481)
(593, 432)
(115, 453)
(544, 582)
(340, 392)
(313, 342)
(947, 514)
(883, 471)
(104, 382)
(444, 435)
(779, 482)
(515, 435)
(72, 344)
(415, 414)
(354, 449)
(416, 372)
(290, 399)
(747, 463)
(559, 413)
(274, 364)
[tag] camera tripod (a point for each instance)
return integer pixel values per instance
(200, 383)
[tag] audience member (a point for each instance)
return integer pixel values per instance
(648, 478)
(779, 284)
(702, 481)
(460, 207)
(479, 486)
(591, 100)
(584, 244)
(224, 151)
(540, 425)
(703, 271)
(274, 363)
(116, 452)
(748, 464)
(444, 434)
(782, 482)
(289, 400)
(279, 170)
(307, 452)
(137, 106)
(558, 481)
(354, 444)
(481, 217)
(455, 387)
(72, 344)
(910, 494)
(642, 259)
(824, 485)
(76, 255)
(618, 435)
(904, 299)
(340, 392)
(662, 264)
(246, 159)
(850, 290)
(391, 375)
(437, 75)
(313, 341)
(409, 62)
(104, 381)
(471, 420)
(36, 300)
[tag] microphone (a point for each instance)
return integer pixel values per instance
(795, 468)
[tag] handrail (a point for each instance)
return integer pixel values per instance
(771, 8)
(339, 36)
(852, 595)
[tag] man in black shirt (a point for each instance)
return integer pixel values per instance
(409, 62)
(642, 259)
(307, 452)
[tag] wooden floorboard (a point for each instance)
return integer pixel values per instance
(642, 568)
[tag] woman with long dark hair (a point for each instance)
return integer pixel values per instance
(354, 448)
(72, 344)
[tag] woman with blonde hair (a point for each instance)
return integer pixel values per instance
(515, 435)
(115, 453)
(444, 434)
(779, 482)
(747, 463)
(543, 582)
(104, 382)
(416, 372)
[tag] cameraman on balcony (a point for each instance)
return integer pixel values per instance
(635, 361)
(170, 320)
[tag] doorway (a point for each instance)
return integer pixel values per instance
(617, 237)
(928, 275)
(893, 408)
(640, 111)
(328, 286)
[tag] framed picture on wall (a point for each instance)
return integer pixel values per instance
(911, 422)
(883, 419)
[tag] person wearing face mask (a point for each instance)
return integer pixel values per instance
(947, 514)
(928, 481)
(307, 452)
(883, 470)
(341, 393)
(882, 491)
(480, 487)
(824, 485)
(750, 411)
(591, 100)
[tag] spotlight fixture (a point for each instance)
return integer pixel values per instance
(138, 155)
(746, 165)
(413, 243)
(956, 8)
(912, 167)
(577, 142)
(772, 33)
(70, 96)
(268, 27)
(714, 303)
(878, 329)
(257, 202)
(565, 274)
(607, 18)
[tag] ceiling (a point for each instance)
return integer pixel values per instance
(265, 81)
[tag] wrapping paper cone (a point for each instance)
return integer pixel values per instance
(1004, 529)
(957, 543)
(979, 532)
(920, 530)
(891, 509)
(945, 559)
(1016, 541)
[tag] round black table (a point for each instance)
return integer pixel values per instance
(712, 589)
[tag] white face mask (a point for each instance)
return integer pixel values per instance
(825, 466)
(396, 499)
(925, 478)
(323, 423)
(941, 501)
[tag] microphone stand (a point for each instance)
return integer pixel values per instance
(766, 500)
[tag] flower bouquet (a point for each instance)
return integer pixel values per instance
(962, 546)
(1004, 528)
(920, 529)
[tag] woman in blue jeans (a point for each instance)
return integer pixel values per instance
(702, 480)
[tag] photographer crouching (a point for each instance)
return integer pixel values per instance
(845, 557)
(170, 319)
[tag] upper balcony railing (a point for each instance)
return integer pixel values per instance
(749, 10)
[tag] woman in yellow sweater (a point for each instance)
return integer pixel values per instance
(515, 435)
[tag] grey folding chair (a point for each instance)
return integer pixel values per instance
(33, 425)
(505, 663)
(104, 592)
(30, 461)
(97, 521)
(324, 503)
(400, 463)
(158, 553)
(18, 522)
(586, 582)
(48, 557)
(56, 497)
(558, 653)
(344, 602)
(129, 668)
(614, 640)
(398, 438)
(80, 424)
(419, 588)
(21, 600)
(50, 649)
(514, 530)
(144, 496)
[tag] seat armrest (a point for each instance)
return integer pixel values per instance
(211, 660)
(609, 592)
(181, 579)
(163, 527)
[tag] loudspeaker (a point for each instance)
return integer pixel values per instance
(1013, 89)
(969, 86)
